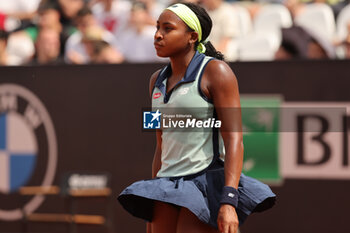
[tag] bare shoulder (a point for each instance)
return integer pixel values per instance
(154, 77)
(152, 80)
(219, 73)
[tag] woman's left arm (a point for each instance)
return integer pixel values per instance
(223, 90)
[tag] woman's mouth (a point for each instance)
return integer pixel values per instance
(157, 45)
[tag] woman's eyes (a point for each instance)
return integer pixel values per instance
(165, 28)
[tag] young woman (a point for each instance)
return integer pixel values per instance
(197, 184)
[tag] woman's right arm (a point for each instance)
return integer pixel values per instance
(156, 158)
(157, 154)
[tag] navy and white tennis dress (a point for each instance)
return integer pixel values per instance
(192, 162)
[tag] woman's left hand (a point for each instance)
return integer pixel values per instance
(227, 219)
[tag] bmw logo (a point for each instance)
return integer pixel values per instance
(28, 150)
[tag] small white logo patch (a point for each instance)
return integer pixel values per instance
(231, 195)
(183, 91)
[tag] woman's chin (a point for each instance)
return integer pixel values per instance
(160, 54)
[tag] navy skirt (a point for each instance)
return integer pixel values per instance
(200, 193)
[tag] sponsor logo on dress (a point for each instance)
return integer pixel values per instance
(156, 95)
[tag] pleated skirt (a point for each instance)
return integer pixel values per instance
(199, 193)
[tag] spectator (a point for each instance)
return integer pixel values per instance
(225, 26)
(94, 45)
(113, 15)
(20, 48)
(76, 48)
(301, 43)
(48, 17)
(68, 10)
(137, 39)
(3, 44)
(104, 53)
(154, 8)
(47, 48)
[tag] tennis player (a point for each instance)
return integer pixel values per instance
(197, 183)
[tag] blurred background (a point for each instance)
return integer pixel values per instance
(74, 80)
(37, 32)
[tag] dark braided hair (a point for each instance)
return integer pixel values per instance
(206, 25)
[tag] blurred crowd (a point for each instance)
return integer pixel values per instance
(37, 32)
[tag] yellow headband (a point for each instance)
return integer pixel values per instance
(191, 19)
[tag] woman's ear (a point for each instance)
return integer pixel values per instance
(194, 37)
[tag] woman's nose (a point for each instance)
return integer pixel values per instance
(158, 35)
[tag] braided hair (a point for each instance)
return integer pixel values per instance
(206, 25)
